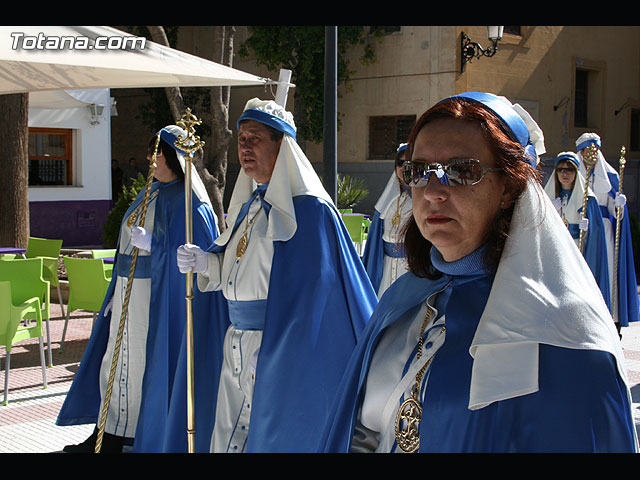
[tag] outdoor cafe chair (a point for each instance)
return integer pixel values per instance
(87, 287)
(12, 330)
(49, 251)
(105, 253)
(25, 276)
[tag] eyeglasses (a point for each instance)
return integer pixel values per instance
(467, 171)
(566, 170)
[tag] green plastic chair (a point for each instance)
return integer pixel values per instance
(13, 331)
(87, 287)
(25, 276)
(356, 228)
(104, 253)
(49, 251)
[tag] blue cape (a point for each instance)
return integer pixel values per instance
(373, 255)
(595, 248)
(628, 306)
(167, 316)
(581, 406)
(320, 299)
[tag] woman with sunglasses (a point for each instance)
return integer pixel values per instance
(498, 339)
(384, 257)
(566, 187)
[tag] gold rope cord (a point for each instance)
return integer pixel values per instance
(614, 292)
(589, 159)
(125, 305)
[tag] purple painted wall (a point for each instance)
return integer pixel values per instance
(77, 223)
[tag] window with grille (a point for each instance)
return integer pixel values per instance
(50, 156)
(386, 133)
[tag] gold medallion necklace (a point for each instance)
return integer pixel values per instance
(410, 412)
(395, 220)
(242, 244)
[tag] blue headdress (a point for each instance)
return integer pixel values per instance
(519, 124)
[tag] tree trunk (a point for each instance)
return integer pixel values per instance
(14, 183)
(211, 164)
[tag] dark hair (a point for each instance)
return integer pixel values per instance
(169, 154)
(555, 175)
(509, 156)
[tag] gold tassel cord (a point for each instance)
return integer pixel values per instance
(125, 305)
(614, 291)
(590, 158)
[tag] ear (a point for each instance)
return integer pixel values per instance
(508, 196)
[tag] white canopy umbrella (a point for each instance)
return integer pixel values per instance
(40, 58)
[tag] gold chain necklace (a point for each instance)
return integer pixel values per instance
(410, 412)
(242, 244)
(395, 220)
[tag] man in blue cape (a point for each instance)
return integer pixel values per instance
(156, 313)
(298, 297)
(605, 183)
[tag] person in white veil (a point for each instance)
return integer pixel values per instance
(383, 256)
(604, 181)
(498, 339)
(156, 315)
(297, 293)
(565, 188)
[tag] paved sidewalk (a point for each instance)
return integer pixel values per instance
(27, 423)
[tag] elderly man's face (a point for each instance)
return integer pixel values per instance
(257, 152)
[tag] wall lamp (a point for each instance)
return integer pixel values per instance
(471, 50)
(96, 111)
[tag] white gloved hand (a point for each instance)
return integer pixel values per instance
(557, 202)
(621, 200)
(192, 257)
(141, 238)
(584, 224)
(107, 309)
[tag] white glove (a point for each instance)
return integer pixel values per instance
(141, 238)
(621, 200)
(192, 257)
(107, 309)
(583, 224)
(557, 202)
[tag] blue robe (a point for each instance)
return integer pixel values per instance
(628, 307)
(373, 255)
(320, 299)
(167, 317)
(595, 248)
(582, 404)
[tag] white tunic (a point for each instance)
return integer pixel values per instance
(241, 279)
(394, 267)
(387, 387)
(124, 403)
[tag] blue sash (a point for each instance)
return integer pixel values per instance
(247, 315)
(143, 266)
(395, 250)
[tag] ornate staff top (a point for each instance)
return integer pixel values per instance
(191, 142)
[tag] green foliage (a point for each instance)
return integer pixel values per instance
(350, 191)
(301, 50)
(111, 229)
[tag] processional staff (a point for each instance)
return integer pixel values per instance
(189, 144)
(590, 158)
(619, 210)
